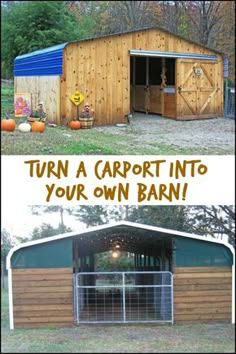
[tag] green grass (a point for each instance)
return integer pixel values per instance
(63, 141)
(195, 338)
(7, 98)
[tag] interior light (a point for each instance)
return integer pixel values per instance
(115, 254)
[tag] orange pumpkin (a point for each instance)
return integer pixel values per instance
(8, 124)
(75, 124)
(38, 127)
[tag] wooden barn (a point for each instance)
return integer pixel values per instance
(150, 70)
(176, 277)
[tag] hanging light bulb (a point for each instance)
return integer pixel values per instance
(115, 254)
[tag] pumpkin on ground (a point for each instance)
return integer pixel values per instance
(38, 127)
(24, 127)
(75, 124)
(8, 124)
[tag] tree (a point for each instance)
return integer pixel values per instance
(213, 220)
(91, 215)
(6, 245)
(172, 217)
(172, 16)
(205, 18)
(121, 16)
(225, 38)
(32, 25)
(47, 230)
(39, 209)
(105, 262)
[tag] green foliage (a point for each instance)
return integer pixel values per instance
(172, 217)
(37, 114)
(6, 243)
(213, 220)
(105, 262)
(92, 215)
(47, 230)
(32, 25)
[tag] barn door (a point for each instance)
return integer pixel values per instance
(196, 89)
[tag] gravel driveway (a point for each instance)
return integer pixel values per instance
(208, 134)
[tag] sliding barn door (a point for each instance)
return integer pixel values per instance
(197, 89)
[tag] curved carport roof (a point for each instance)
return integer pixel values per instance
(132, 237)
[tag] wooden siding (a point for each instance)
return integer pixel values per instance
(100, 69)
(42, 88)
(202, 294)
(42, 297)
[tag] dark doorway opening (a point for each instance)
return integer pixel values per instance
(152, 83)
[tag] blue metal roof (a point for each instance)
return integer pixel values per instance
(48, 61)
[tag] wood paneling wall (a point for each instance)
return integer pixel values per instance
(42, 297)
(202, 294)
(42, 88)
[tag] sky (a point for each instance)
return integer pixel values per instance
(18, 220)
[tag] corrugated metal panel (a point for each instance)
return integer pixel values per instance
(154, 53)
(48, 61)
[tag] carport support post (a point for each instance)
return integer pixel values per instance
(123, 296)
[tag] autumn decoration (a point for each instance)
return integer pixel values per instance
(86, 117)
(8, 124)
(38, 127)
(38, 115)
(24, 127)
(75, 124)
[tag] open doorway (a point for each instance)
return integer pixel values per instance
(152, 85)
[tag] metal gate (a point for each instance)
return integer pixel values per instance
(229, 102)
(123, 297)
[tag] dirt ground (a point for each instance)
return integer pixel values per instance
(207, 133)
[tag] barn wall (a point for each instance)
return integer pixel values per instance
(100, 69)
(202, 294)
(42, 88)
(42, 297)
